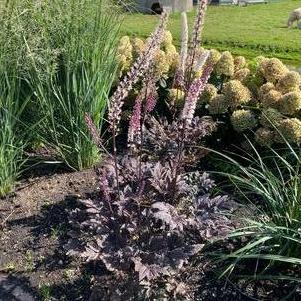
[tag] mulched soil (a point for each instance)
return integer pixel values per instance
(33, 228)
(33, 231)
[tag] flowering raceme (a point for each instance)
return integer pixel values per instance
(194, 92)
(196, 34)
(137, 70)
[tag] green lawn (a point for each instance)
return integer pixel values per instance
(253, 30)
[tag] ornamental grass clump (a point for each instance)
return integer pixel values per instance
(11, 141)
(65, 53)
(155, 210)
(267, 246)
(14, 134)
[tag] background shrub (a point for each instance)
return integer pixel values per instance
(65, 55)
(256, 98)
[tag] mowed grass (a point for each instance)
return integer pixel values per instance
(251, 31)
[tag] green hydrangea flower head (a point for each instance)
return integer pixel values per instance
(208, 94)
(218, 105)
(172, 57)
(124, 54)
(125, 47)
(215, 56)
(161, 63)
(242, 74)
(270, 118)
(290, 128)
(176, 97)
(243, 120)
(173, 60)
(239, 62)
(236, 93)
(265, 88)
(167, 38)
(271, 99)
(138, 46)
(290, 103)
(171, 49)
(264, 136)
(272, 69)
(289, 82)
(225, 65)
(124, 63)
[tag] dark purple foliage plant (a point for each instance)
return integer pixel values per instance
(155, 210)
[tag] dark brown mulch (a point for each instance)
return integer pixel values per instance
(33, 227)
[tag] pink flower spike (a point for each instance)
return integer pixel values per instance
(138, 70)
(151, 99)
(194, 92)
(135, 122)
(92, 129)
(196, 34)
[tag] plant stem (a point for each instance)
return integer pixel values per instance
(115, 161)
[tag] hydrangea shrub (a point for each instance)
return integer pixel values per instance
(250, 97)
